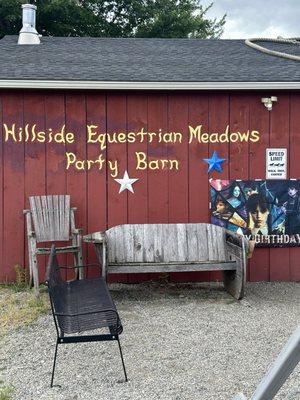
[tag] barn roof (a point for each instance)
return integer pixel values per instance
(81, 62)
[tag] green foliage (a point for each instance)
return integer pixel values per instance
(10, 21)
(115, 18)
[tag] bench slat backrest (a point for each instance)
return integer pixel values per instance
(51, 217)
(142, 243)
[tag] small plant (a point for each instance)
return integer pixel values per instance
(22, 279)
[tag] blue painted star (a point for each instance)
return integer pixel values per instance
(214, 162)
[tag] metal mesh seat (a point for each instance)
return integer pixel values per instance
(84, 305)
(81, 305)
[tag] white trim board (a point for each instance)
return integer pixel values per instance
(118, 85)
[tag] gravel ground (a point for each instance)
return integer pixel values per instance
(180, 342)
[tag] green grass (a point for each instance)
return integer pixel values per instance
(6, 392)
(19, 307)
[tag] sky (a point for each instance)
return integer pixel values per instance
(257, 18)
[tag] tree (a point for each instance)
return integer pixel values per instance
(115, 18)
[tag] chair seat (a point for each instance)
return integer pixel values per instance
(66, 249)
(89, 297)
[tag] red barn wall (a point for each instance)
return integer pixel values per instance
(160, 195)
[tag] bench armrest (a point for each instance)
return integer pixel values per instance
(76, 231)
(96, 237)
(240, 240)
(234, 238)
(104, 310)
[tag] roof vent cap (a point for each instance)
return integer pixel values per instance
(28, 33)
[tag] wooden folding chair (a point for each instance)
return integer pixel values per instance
(53, 220)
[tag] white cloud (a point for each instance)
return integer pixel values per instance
(257, 18)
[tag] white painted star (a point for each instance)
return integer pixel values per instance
(126, 183)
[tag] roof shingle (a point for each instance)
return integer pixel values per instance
(145, 60)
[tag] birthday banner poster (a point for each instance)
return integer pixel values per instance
(266, 211)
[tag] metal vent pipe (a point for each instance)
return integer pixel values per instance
(28, 33)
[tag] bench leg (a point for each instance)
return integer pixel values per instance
(234, 281)
(55, 354)
(126, 380)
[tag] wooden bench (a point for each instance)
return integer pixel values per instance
(79, 306)
(161, 248)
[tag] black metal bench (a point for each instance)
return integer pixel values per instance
(79, 306)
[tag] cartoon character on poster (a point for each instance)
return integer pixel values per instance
(265, 211)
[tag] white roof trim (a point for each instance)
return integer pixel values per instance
(118, 85)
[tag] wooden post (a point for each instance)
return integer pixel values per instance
(33, 268)
(77, 241)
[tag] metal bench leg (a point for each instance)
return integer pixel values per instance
(55, 354)
(126, 380)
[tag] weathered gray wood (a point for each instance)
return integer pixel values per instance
(138, 244)
(35, 217)
(158, 245)
(160, 248)
(47, 207)
(104, 261)
(170, 267)
(233, 249)
(59, 250)
(220, 242)
(234, 281)
(29, 238)
(148, 234)
(53, 220)
(165, 242)
(182, 242)
(216, 242)
(55, 216)
(96, 237)
(34, 265)
(202, 243)
(51, 217)
(65, 215)
(99, 240)
(192, 243)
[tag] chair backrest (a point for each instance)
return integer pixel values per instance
(51, 217)
(166, 243)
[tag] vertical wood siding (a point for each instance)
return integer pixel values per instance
(160, 195)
